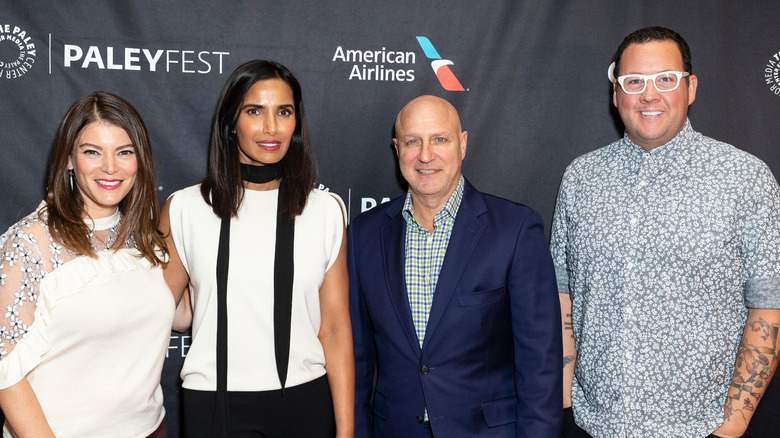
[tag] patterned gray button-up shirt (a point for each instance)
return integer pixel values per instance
(662, 251)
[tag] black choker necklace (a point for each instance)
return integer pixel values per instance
(260, 174)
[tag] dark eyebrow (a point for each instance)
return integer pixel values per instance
(650, 74)
(96, 146)
(255, 105)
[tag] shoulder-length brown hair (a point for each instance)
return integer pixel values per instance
(223, 188)
(65, 206)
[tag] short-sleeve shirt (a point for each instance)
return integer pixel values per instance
(662, 252)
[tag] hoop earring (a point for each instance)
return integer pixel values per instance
(70, 177)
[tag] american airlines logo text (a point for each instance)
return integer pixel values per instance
(393, 65)
(132, 58)
(377, 65)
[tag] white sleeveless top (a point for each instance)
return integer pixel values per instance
(251, 361)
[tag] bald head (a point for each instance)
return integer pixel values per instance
(427, 107)
(430, 147)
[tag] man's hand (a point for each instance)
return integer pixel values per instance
(730, 429)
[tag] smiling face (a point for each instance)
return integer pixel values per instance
(430, 148)
(653, 118)
(104, 164)
(266, 122)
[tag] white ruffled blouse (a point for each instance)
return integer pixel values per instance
(89, 334)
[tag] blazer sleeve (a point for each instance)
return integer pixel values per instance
(364, 347)
(536, 328)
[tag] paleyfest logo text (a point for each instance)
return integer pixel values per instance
(17, 52)
(772, 73)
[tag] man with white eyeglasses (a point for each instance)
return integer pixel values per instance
(666, 246)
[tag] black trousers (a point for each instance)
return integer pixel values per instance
(304, 411)
(571, 430)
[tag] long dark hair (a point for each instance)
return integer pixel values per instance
(223, 188)
(65, 207)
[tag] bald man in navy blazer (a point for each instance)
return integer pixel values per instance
(454, 306)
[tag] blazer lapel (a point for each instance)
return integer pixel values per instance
(465, 235)
(393, 253)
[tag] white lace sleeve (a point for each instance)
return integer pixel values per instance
(27, 250)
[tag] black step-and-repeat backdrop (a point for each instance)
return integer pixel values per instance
(528, 77)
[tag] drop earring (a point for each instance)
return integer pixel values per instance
(70, 177)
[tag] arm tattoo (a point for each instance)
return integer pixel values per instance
(567, 326)
(753, 368)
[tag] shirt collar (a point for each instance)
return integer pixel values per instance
(448, 212)
(104, 223)
(665, 153)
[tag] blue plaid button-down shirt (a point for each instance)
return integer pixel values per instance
(425, 252)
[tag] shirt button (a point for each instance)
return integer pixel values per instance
(627, 399)
(633, 221)
(646, 155)
(424, 369)
(629, 310)
(419, 420)
(642, 183)
(628, 355)
(630, 265)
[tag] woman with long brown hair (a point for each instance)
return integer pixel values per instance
(87, 311)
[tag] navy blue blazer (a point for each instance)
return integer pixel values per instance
(491, 362)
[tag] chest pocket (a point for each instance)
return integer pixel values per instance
(481, 297)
